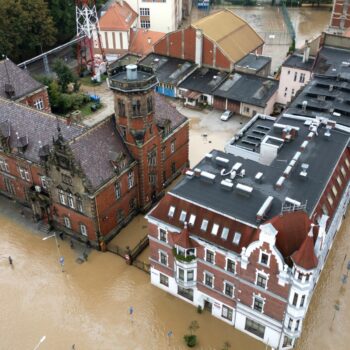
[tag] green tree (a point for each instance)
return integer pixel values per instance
(26, 28)
(64, 76)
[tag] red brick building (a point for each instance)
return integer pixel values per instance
(216, 41)
(89, 182)
(340, 19)
(17, 85)
(245, 235)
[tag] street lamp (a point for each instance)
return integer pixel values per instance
(40, 341)
(60, 257)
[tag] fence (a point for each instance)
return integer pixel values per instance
(142, 266)
(287, 20)
(138, 249)
(113, 248)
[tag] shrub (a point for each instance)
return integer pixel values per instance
(190, 340)
(199, 309)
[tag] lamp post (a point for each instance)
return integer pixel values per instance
(60, 257)
(40, 341)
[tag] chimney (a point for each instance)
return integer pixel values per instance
(306, 51)
(199, 47)
(149, 40)
(131, 72)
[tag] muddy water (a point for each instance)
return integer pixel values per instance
(88, 304)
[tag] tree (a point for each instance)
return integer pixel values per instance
(64, 76)
(191, 339)
(26, 28)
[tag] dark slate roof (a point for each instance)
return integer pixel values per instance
(296, 61)
(204, 80)
(324, 96)
(247, 88)
(333, 62)
(164, 111)
(169, 70)
(94, 150)
(20, 79)
(252, 61)
(321, 154)
(36, 125)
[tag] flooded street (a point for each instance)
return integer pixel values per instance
(88, 304)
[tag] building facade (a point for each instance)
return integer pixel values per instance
(90, 182)
(340, 18)
(245, 236)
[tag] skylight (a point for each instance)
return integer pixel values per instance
(171, 211)
(237, 238)
(204, 225)
(215, 229)
(224, 233)
(183, 216)
(192, 219)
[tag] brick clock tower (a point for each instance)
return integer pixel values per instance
(133, 88)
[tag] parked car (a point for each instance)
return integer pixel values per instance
(226, 115)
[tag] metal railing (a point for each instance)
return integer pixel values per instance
(288, 20)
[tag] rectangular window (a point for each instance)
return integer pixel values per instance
(204, 225)
(145, 23)
(3, 165)
(70, 200)
(162, 235)
(171, 212)
(39, 104)
(231, 266)
(163, 257)
(190, 275)
(83, 230)
(152, 158)
(62, 197)
(152, 178)
(264, 259)
(340, 182)
(258, 304)
(224, 233)
(228, 289)
(67, 222)
(43, 181)
(164, 280)
(347, 162)
(295, 76)
(186, 293)
(118, 191)
(261, 281)
(302, 302)
(297, 325)
(208, 280)
(302, 78)
(163, 153)
(183, 216)
(209, 256)
(255, 328)
(172, 147)
(181, 274)
(342, 169)
(295, 299)
(324, 209)
(79, 204)
(334, 190)
(290, 322)
(215, 229)
(144, 11)
(24, 174)
(192, 220)
(237, 238)
(330, 199)
(227, 312)
(287, 342)
(130, 179)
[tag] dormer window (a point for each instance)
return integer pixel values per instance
(215, 229)
(237, 238)
(264, 258)
(192, 220)
(183, 216)
(224, 233)
(171, 212)
(204, 225)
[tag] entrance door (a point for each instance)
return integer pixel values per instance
(208, 306)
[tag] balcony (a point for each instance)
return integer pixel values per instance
(184, 259)
(185, 284)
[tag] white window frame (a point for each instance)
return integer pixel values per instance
(70, 200)
(226, 309)
(226, 266)
(79, 203)
(260, 298)
(339, 180)
(206, 256)
(215, 229)
(183, 216)
(83, 230)
(204, 225)
(268, 258)
(335, 191)
(62, 197)
(43, 181)
(145, 23)
(343, 171)
(233, 289)
(162, 252)
(165, 277)
(160, 229)
(330, 199)
(39, 104)
(263, 274)
(236, 238)
(224, 233)
(171, 211)
(172, 147)
(144, 11)
(347, 162)
(192, 220)
(131, 179)
(67, 222)
(117, 190)
(205, 273)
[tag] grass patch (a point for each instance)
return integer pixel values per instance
(86, 109)
(88, 82)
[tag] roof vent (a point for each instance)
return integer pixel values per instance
(244, 189)
(336, 114)
(287, 171)
(303, 172)
(330, 87)
(222, 161)
(189, 173)
(292, 201)
(237, 166)
(209, 156)
(304, 105)
(280, 182)
(304, 145)
(205, 175)
(264, 209)
(131, 72)
(327, 134)
(197, 172)
(258, 177)
(226, 184)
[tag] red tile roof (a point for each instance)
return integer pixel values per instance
(142, 41)
(292, 229)
(305, 256)
(118, 17)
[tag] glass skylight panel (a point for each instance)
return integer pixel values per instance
(183, 216)
(192, 219)
(215, 229)
(237, 238)
(224, 233)
(204, 225)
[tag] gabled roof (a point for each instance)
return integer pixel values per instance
(305, 256)
(142, 41)
(235, 36)
(118, 17)
(183, 239)
(22, 83)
